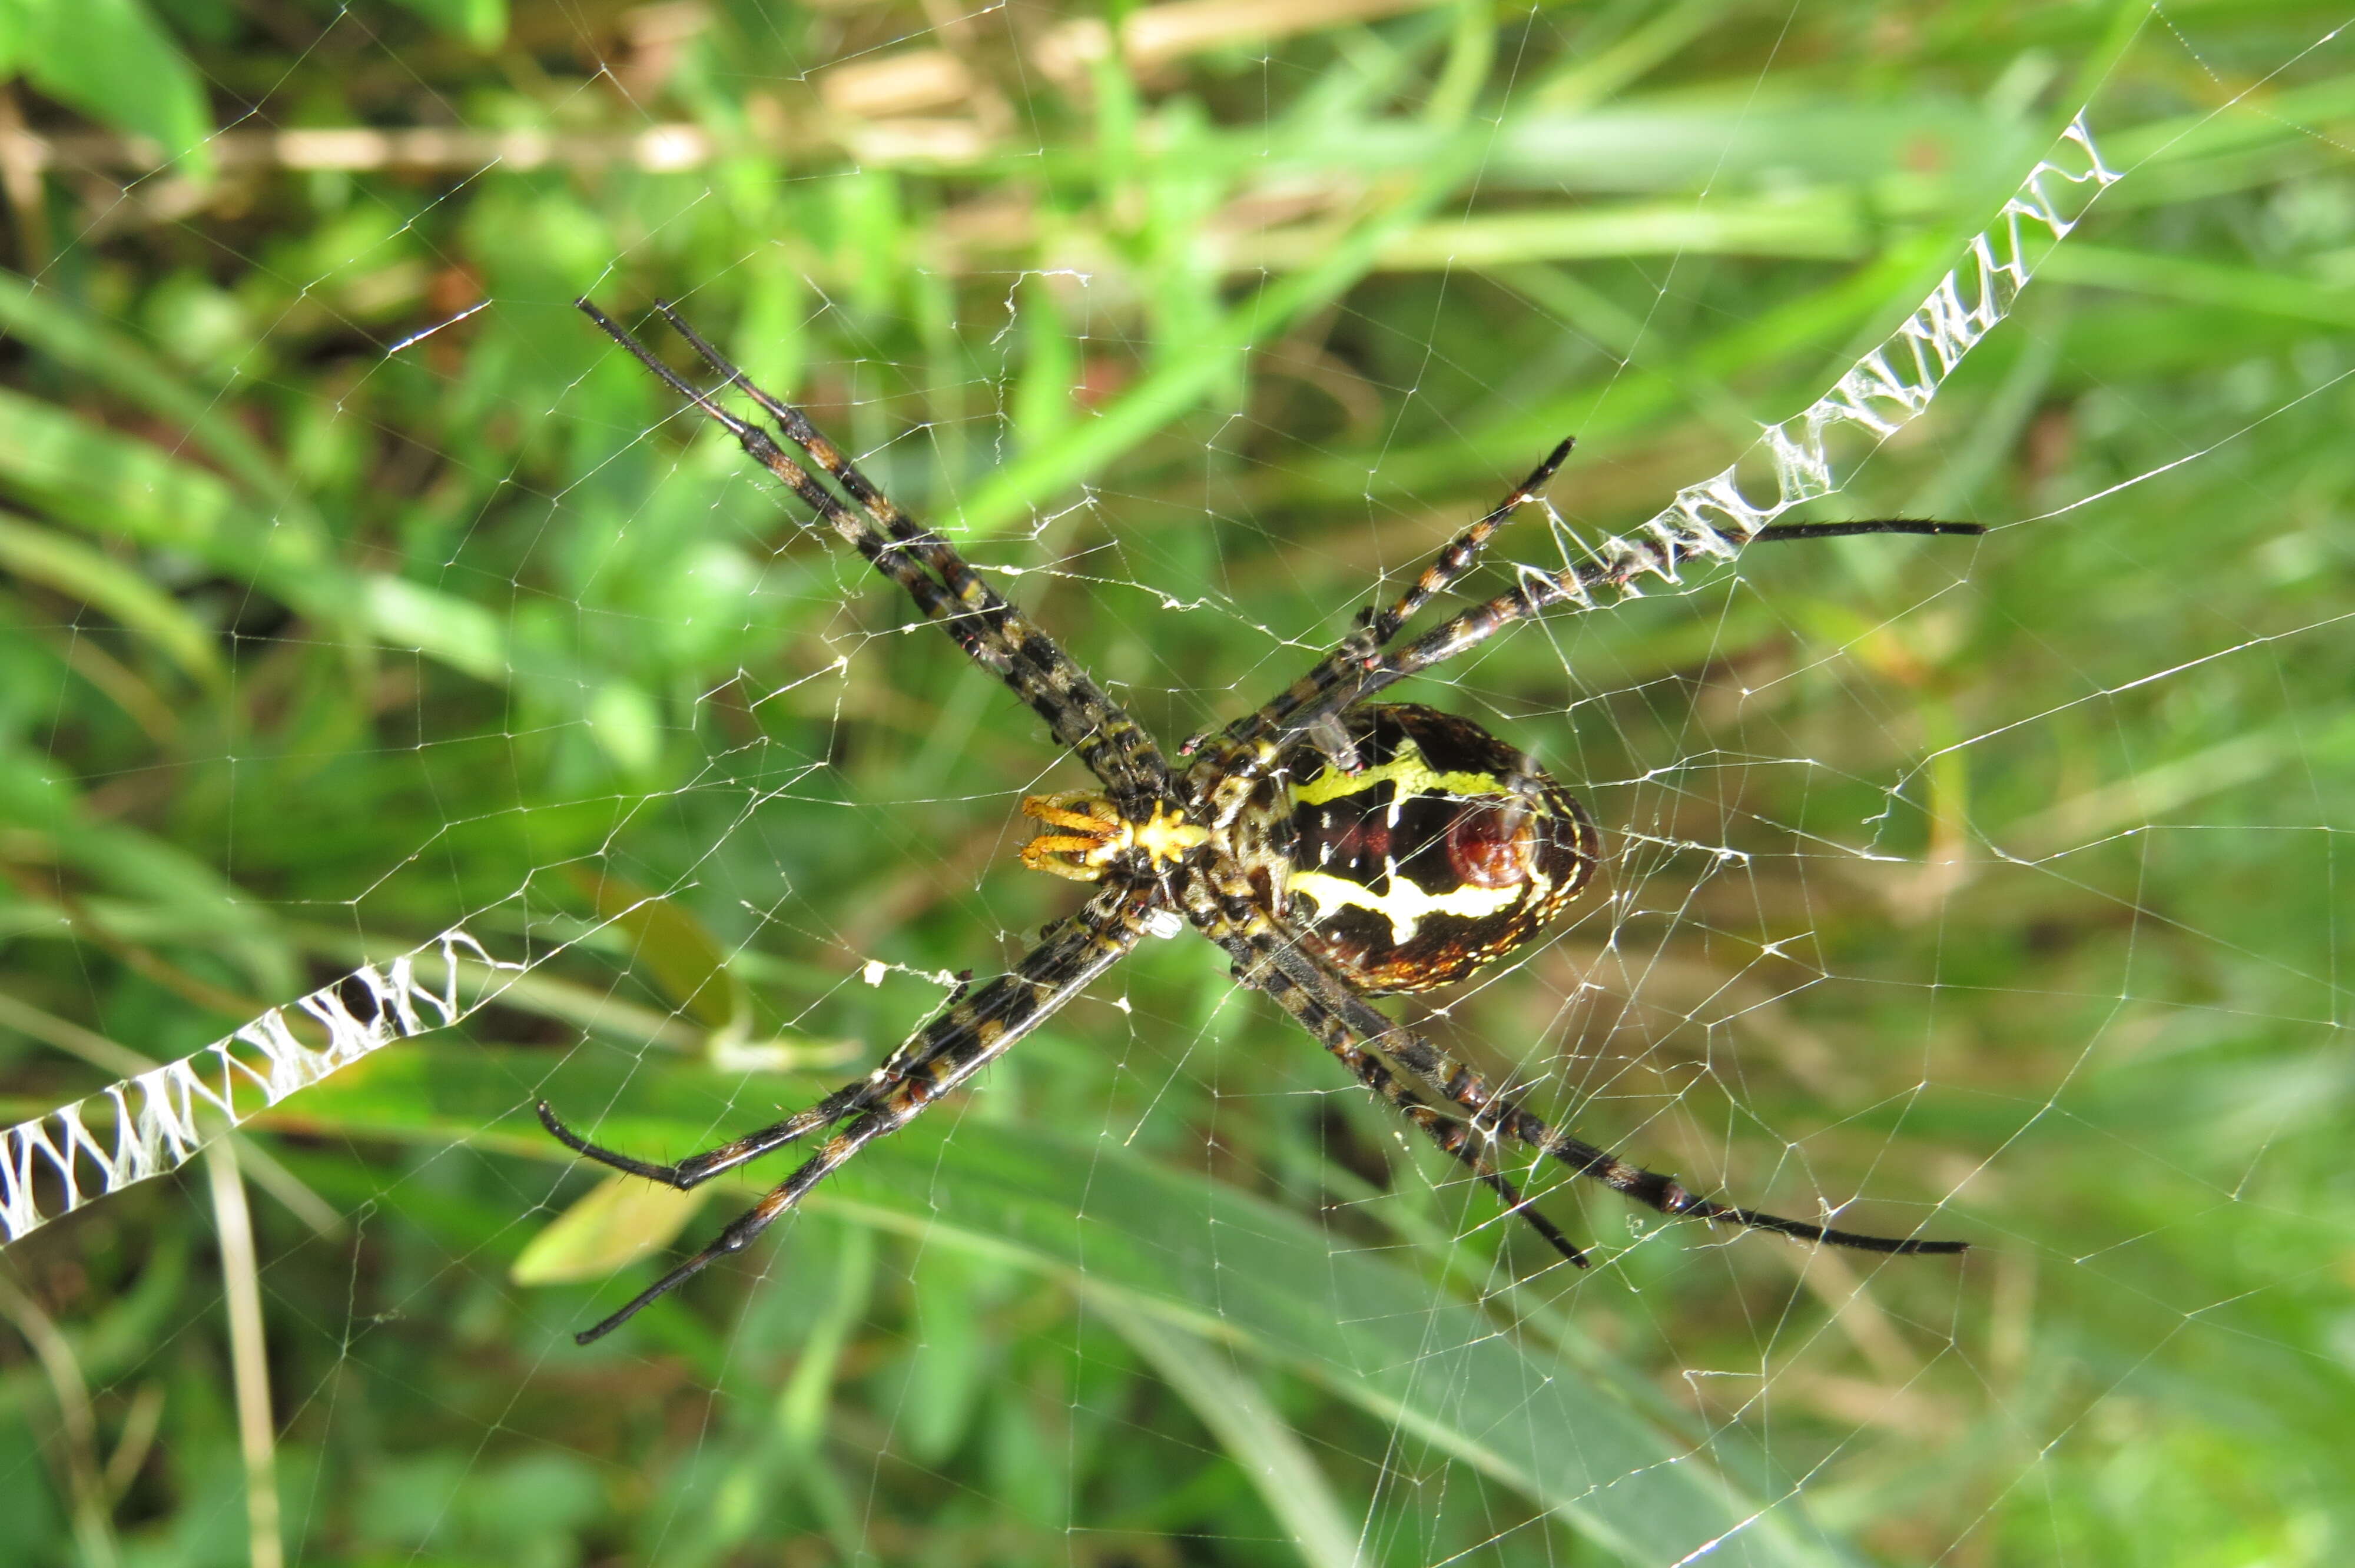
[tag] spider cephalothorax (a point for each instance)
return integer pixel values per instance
(1331, 847)
(1438, 850)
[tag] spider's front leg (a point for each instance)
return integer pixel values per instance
(1311, 707)
(959, 1041)
(697, 1169)
(991, 632)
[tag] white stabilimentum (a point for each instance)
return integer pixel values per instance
(1882, 392)
(156, 1121)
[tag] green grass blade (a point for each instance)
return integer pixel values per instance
(1267, 1450)
(81, 344)
(1214, 1261)
(105, 584)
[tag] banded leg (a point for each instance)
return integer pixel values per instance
(697, 1169)
(1347, 1026)
(1357, 669)
(897, 1109)
(1247, 747)
(1464, 1141)
(1462, 553)
(1111, 745)
(899, 565)
(1615, 566)
(1460, 1085)
(990, 630)
(1249, 940)
(956, 1042)
(935, 551)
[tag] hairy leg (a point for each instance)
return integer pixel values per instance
(945, 588)
(972, 1031)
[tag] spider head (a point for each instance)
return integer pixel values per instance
(1093, 836)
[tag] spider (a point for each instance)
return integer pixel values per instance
(1336, 848)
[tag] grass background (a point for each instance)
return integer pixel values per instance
(2006, 878)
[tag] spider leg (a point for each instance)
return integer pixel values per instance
(1616, 565)
(1252, 943)
(1458, 1137)
(1341, 1021)
(1463, 552)
(946, 589)
(929, 547)
(1247, 747)
(1357, 669)
(1780, 531)
(898, 1109)
(1459, 1084)
(697, 1169)
(956, 1042)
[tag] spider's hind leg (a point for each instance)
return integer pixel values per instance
(1349, 1027)
(1260, 964)
(1311, 707)
(1463, 1140)
(1655, 1190)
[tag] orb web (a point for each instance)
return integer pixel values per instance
(392, 656)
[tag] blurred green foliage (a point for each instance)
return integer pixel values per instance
(351, 584)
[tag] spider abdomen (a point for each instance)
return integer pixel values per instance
(1444, 851)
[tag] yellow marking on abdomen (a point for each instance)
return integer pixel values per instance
(1410, 771)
